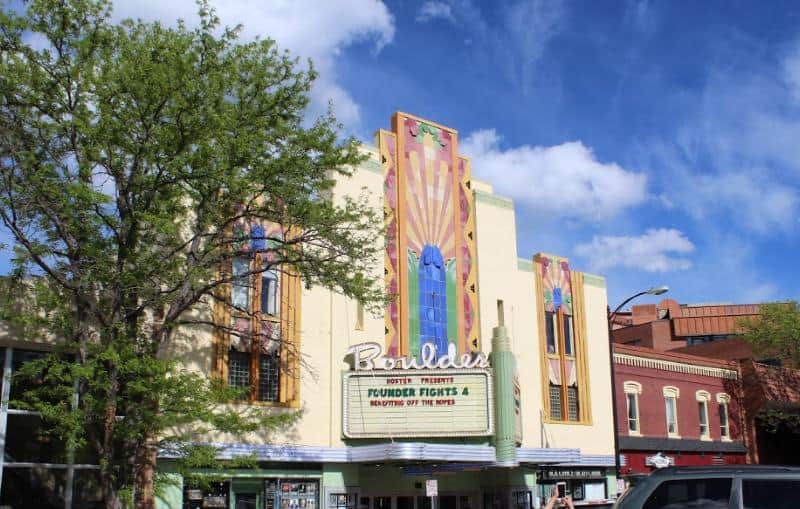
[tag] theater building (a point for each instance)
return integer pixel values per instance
(485, 381)
(677, 409)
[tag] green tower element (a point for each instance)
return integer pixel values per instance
(503, 365)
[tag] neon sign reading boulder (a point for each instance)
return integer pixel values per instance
(369, 356)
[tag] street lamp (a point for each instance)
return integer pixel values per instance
(656, 290)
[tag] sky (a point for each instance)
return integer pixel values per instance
(652, 143)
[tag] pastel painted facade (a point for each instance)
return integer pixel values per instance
(522, 395)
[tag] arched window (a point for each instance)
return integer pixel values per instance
(724, 421)
(671, 395)
(433, 299)
(703, 397)
(632, 392)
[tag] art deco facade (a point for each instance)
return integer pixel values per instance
(487, 372)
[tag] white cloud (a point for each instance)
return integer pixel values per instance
(316, 29)
(754, 200)
(560, 181)
(657, 250)
(736, 161)
(435, 10)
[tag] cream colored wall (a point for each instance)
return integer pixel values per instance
(328, 329)
(596, 438)
(502, 275)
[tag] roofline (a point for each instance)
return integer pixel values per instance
(649, 353)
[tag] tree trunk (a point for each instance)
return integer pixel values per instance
(110, 492)
(144, 496)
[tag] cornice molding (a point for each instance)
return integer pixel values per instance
(675, 367)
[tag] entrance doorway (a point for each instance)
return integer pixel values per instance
(246, 501)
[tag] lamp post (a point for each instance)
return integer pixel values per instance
(656, 290)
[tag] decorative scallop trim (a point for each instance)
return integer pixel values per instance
(677, 367)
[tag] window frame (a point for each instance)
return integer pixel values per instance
(671, 394)
(703, 398)
(280, 330)
(633, 390)
(552, 361)
(724, 401)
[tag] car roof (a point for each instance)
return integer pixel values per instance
(726, 470)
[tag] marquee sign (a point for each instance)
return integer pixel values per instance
(444, 397)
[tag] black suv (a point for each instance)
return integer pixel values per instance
(729, 487)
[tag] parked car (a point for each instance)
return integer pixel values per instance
(724, 487)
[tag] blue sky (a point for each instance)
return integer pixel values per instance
(650, 142)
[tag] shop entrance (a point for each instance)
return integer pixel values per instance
(444, 501)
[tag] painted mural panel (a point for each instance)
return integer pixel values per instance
(556, 284)
(430, 245)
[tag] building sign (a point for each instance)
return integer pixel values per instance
(432, 488)
(369, 356)
(560, 474)
(659, 461)
(421, 397)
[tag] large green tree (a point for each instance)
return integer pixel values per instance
(127, 152)
(775, 332)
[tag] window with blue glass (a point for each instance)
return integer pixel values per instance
(433, 299)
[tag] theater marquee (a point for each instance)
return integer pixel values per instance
(426, 401)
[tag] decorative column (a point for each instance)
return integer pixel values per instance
(503, 365)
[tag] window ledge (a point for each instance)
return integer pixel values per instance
(705, 438)
(673, 435)
(634, 433)
(726, 439)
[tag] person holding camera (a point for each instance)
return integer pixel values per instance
(556, 501)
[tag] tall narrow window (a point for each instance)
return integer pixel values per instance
(703, 397)
(269, 292)
(702, 408)
(258, 350)
(632, 392)
(633, 413)
(433, 299)
(724, 424)
(562, 346)
(550, 330)
(671, 410)
(569, 341)
(240, 291)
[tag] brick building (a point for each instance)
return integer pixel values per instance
(669, 325)
(676, 409)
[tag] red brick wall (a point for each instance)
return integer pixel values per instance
(652, 412)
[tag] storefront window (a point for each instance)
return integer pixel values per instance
(43, 488)
(302, 494)
(215, 494)
(27, 442)
(523, 500)
(405, 502)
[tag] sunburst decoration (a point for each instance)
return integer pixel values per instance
(430, 212)
(556, 284)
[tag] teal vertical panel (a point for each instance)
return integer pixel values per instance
(503, 367)
(452, 308)
(413, 304)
